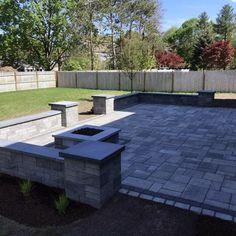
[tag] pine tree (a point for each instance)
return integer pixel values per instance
(225, 22)
(204, 39)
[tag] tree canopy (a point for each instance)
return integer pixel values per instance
(218, 55)
(225, 22)
(45, 33)
(94, 34)
(195, 35)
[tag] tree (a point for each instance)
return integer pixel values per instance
(171, 60)
(170, 38)
(135, 56)
(45, 33)
(219, 55)
(119, 17)
(10, 46)
(205, 37)
(183, 39)
(110, 19)
(86, 14)
(225, 22)
(43, 29)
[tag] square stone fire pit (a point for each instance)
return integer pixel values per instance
(86, 133)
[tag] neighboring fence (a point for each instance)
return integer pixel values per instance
(192, 81)
(13, 81)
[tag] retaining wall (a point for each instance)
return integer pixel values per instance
(27, 161)
(29, 126)
(202, 99)
(89, 172)
(62, 114)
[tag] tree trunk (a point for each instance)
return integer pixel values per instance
(91, 37)
(112, 43)
(121, 25)
(91, 52)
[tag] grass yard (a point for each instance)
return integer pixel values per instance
(15, 104)
(226, 96)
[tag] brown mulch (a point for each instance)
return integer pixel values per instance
(38, 209)
(85, 110)
(128, 216)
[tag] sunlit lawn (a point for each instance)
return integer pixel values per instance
(14, 104)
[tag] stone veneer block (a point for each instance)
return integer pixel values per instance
(92, 172)
(206, 98)
(28, 161)
(103, 104)
(68, 138)
(69, 112)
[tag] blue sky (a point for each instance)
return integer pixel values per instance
(176, 12)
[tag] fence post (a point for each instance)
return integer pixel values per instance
(97, 79)
(204, 81)
(119, 81)
(37, 79)
(173, 81)
(76, 79)
(56, 78)
(15, 81)
(144, 80)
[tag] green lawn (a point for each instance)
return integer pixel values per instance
(14, 104)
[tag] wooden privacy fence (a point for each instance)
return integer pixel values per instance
(192, 81)
(14, 81)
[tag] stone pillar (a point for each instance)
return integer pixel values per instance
(206, 98)
(92, 172)
(103, 104)
(69, 116)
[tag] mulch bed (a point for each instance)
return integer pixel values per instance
(122, 215)
(128, 216)
(38, 209)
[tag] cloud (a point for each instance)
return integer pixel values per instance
(233, 0)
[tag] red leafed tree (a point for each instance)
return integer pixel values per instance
(218, 55)
(170, 60)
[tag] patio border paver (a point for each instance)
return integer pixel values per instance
(204, 209)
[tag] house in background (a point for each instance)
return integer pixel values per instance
(28, 68)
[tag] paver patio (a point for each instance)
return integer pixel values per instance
(180, 153)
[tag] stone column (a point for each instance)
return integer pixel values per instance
(92, 172)
(206, 98)
(103, 104)
(69, 111)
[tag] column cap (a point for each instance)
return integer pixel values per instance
(206, 92)
(93, 151)
(107, 96)
(66, 104)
